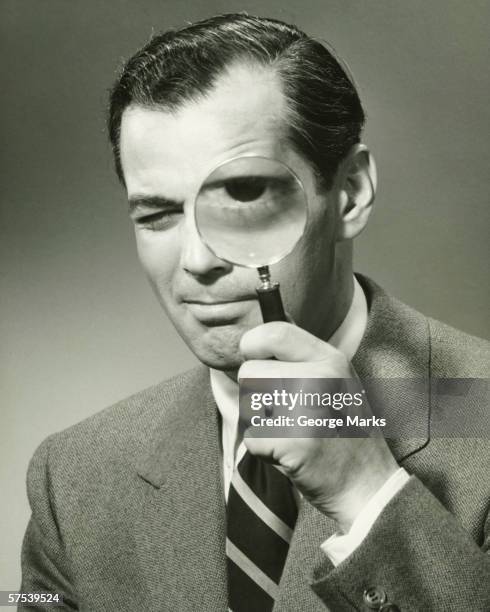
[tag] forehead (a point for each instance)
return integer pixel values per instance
(243, 114)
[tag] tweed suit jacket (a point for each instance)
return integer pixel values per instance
(128, 509)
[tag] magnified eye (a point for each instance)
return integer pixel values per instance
(246, 189)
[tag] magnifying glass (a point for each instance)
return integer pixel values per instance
(251, 211)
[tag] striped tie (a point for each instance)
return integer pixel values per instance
(261, 515)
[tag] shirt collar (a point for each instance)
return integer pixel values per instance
(346, 338)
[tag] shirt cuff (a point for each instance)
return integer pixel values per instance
(339, 546)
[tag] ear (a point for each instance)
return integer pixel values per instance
(357, 180)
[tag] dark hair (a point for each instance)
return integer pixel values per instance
(325, 112)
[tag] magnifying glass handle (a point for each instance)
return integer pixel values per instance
(269, 297)
(271, 303)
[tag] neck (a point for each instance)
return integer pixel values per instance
(339, 299)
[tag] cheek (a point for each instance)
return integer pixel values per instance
(159, 254)
(318, 246)
(316, 250)
(306, 271)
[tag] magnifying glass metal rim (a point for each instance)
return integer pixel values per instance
(284, 253)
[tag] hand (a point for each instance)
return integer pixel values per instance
(336, 475)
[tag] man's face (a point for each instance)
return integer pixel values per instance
(165, 157)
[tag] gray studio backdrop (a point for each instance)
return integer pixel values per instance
(80, 328)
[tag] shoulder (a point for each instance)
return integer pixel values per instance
(113, 438)
(400, 341)
(457, 354)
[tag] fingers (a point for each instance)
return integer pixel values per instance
(267, 368)
(284, 342)
(261, 447)
(270, 450)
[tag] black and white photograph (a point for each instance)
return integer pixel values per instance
(245, 357)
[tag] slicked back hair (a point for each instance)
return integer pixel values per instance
(325, 115)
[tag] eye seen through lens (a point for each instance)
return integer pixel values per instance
(246, 189)
(251, 211)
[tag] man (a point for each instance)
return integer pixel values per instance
(136, 508)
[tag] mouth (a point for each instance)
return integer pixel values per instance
(219, 312)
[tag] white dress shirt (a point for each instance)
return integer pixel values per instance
(347, 339)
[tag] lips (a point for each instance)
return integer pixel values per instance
(209, 299)
(219, 311)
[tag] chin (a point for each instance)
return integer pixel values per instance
(218, 347)
(217, 359)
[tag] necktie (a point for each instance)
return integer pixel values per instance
(261, 514)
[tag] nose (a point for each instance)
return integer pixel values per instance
(196, 258)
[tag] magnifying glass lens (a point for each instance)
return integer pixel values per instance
(251, 211)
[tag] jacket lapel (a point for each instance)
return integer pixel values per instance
(395, 352)
(180, 532)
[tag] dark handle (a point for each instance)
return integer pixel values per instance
(271, 304)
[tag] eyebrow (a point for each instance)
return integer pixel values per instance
(157, 202)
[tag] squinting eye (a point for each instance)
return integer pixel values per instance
(246, 189)
(160, 220)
